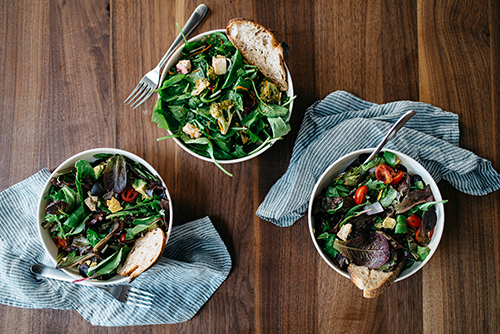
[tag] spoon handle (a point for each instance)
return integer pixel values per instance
(395, 128)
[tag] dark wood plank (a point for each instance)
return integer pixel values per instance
(455, 66)
(55, 88)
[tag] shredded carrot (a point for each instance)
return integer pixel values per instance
(205, 49)
(170, 72)
(220, 126)
(240, 87)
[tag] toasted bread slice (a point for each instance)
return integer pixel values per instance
(145, 252)
(373, 282)
(260, 47)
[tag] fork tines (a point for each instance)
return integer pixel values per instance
(141, 93)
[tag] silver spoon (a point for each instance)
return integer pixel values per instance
(395, 128)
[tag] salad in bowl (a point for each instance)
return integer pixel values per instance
(219, 106)
(104, 216)
(376, 222)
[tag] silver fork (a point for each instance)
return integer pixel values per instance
(122, 293)
(151, 80)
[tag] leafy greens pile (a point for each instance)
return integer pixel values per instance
(221, 114)
(376, 215)
(98, 210)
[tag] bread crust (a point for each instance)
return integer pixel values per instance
(373, 282)
(279, 79)
(146, 251)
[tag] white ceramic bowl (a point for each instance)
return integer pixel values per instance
(175, 58)
(45, 235)
(413, 167)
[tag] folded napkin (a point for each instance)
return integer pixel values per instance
(193, 266)
(342, 123)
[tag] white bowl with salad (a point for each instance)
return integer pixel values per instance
(93, 209)
(217, 106)
(384, 218)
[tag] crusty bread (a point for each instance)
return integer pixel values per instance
(145, 252)
(373, 282)
(260, 47)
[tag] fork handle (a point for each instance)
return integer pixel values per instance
(195, 19)
(48, 272)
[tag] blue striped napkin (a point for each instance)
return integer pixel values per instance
(342, 123)
(194, 265)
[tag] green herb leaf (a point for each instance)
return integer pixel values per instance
(390, 158)
(423, 252)
(93, 237)
(279, 127)
(76, 217)
(390, 196)
(401, 225)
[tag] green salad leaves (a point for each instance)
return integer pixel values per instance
(218, 104)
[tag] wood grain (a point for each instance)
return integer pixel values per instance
(67, 67)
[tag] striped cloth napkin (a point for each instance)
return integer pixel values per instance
(342, 123)
(193, 266)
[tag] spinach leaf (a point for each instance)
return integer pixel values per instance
(172, 81)
(109, 264)
(330, 240)
(390, 158)
(272, 110)
(389, 197)
(76, 217)
(401, 225)
(237, 99)
(279, 127)
(237, 61)
(70, 197)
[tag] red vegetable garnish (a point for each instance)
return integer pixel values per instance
(414, 221)
(60, 243)
(123, 237)
(360, 195)
(429, 235)
(397, 178)
(129, 194)
(384, 173)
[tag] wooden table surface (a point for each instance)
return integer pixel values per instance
(67, 66)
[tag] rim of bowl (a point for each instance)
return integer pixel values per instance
(70, 162)
(174, 58)
(350, 157)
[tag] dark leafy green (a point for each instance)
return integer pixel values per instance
(222, 117)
